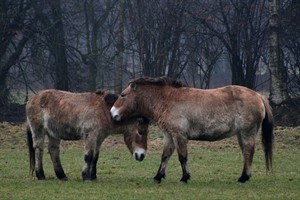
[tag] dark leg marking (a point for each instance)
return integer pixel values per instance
(185, 174)
(54, 150)
(94, 167)
(86, 175)
(161, 171)
(248, 150)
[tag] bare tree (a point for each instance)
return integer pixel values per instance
(278, 89)
(290, 45)
(14, 34)
(158, 28)
(51, 21)
(96, 15)
(241, 27)
(204, 50)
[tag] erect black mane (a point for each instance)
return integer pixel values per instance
(159, 81)
(100, 92)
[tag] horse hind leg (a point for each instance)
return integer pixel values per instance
(54, 150)
(38, 137)
(181, 145)
(91, 155)
(169, 148)
(94, 161)
(89, 172)
(94, 166)
(247, 146)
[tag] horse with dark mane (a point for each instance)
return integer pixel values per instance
(73, 116)
(185, 113)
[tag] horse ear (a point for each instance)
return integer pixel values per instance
(110, 98)
(133, 86)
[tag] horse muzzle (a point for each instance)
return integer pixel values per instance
(114, 112)
(139, 154)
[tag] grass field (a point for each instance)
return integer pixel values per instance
(214, 168)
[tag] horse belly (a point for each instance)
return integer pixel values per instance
(211, 134)
(61, 130)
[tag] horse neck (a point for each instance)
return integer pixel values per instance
(153, 101)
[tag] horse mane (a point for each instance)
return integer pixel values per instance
(159, 81)
(100, 92)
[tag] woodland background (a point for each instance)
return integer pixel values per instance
(85, 45)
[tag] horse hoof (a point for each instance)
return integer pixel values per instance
(156, 181)
(64, 179)
(183, 182)
(243, 179)
(185, 178)
(40, 178)
(40, 175)
(158, 177)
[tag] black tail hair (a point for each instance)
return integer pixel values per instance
(31, 151)
(267, 135)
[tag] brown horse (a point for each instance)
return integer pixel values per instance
(74, 116)
(194, 114)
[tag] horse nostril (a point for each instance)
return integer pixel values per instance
(117, 118)
(142, 157)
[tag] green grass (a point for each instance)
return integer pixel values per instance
(214, 170)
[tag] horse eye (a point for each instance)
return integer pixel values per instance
(140, 133)
(123, 95)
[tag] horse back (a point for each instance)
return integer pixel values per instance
(67, 115)
(215, 114)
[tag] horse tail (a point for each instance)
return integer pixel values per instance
(267, 134)
(31, 150)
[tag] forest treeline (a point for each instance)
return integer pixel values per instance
(85, 45)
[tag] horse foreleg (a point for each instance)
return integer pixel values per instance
(95, 159)
(88, 157)
(169, 148)
(54, 150)
(181, 146)
(91, 154)
(94, 166)
(248, 148)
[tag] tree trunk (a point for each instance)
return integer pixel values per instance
(278, 84)
(58, 47)
(91, 43)
(120, 49)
